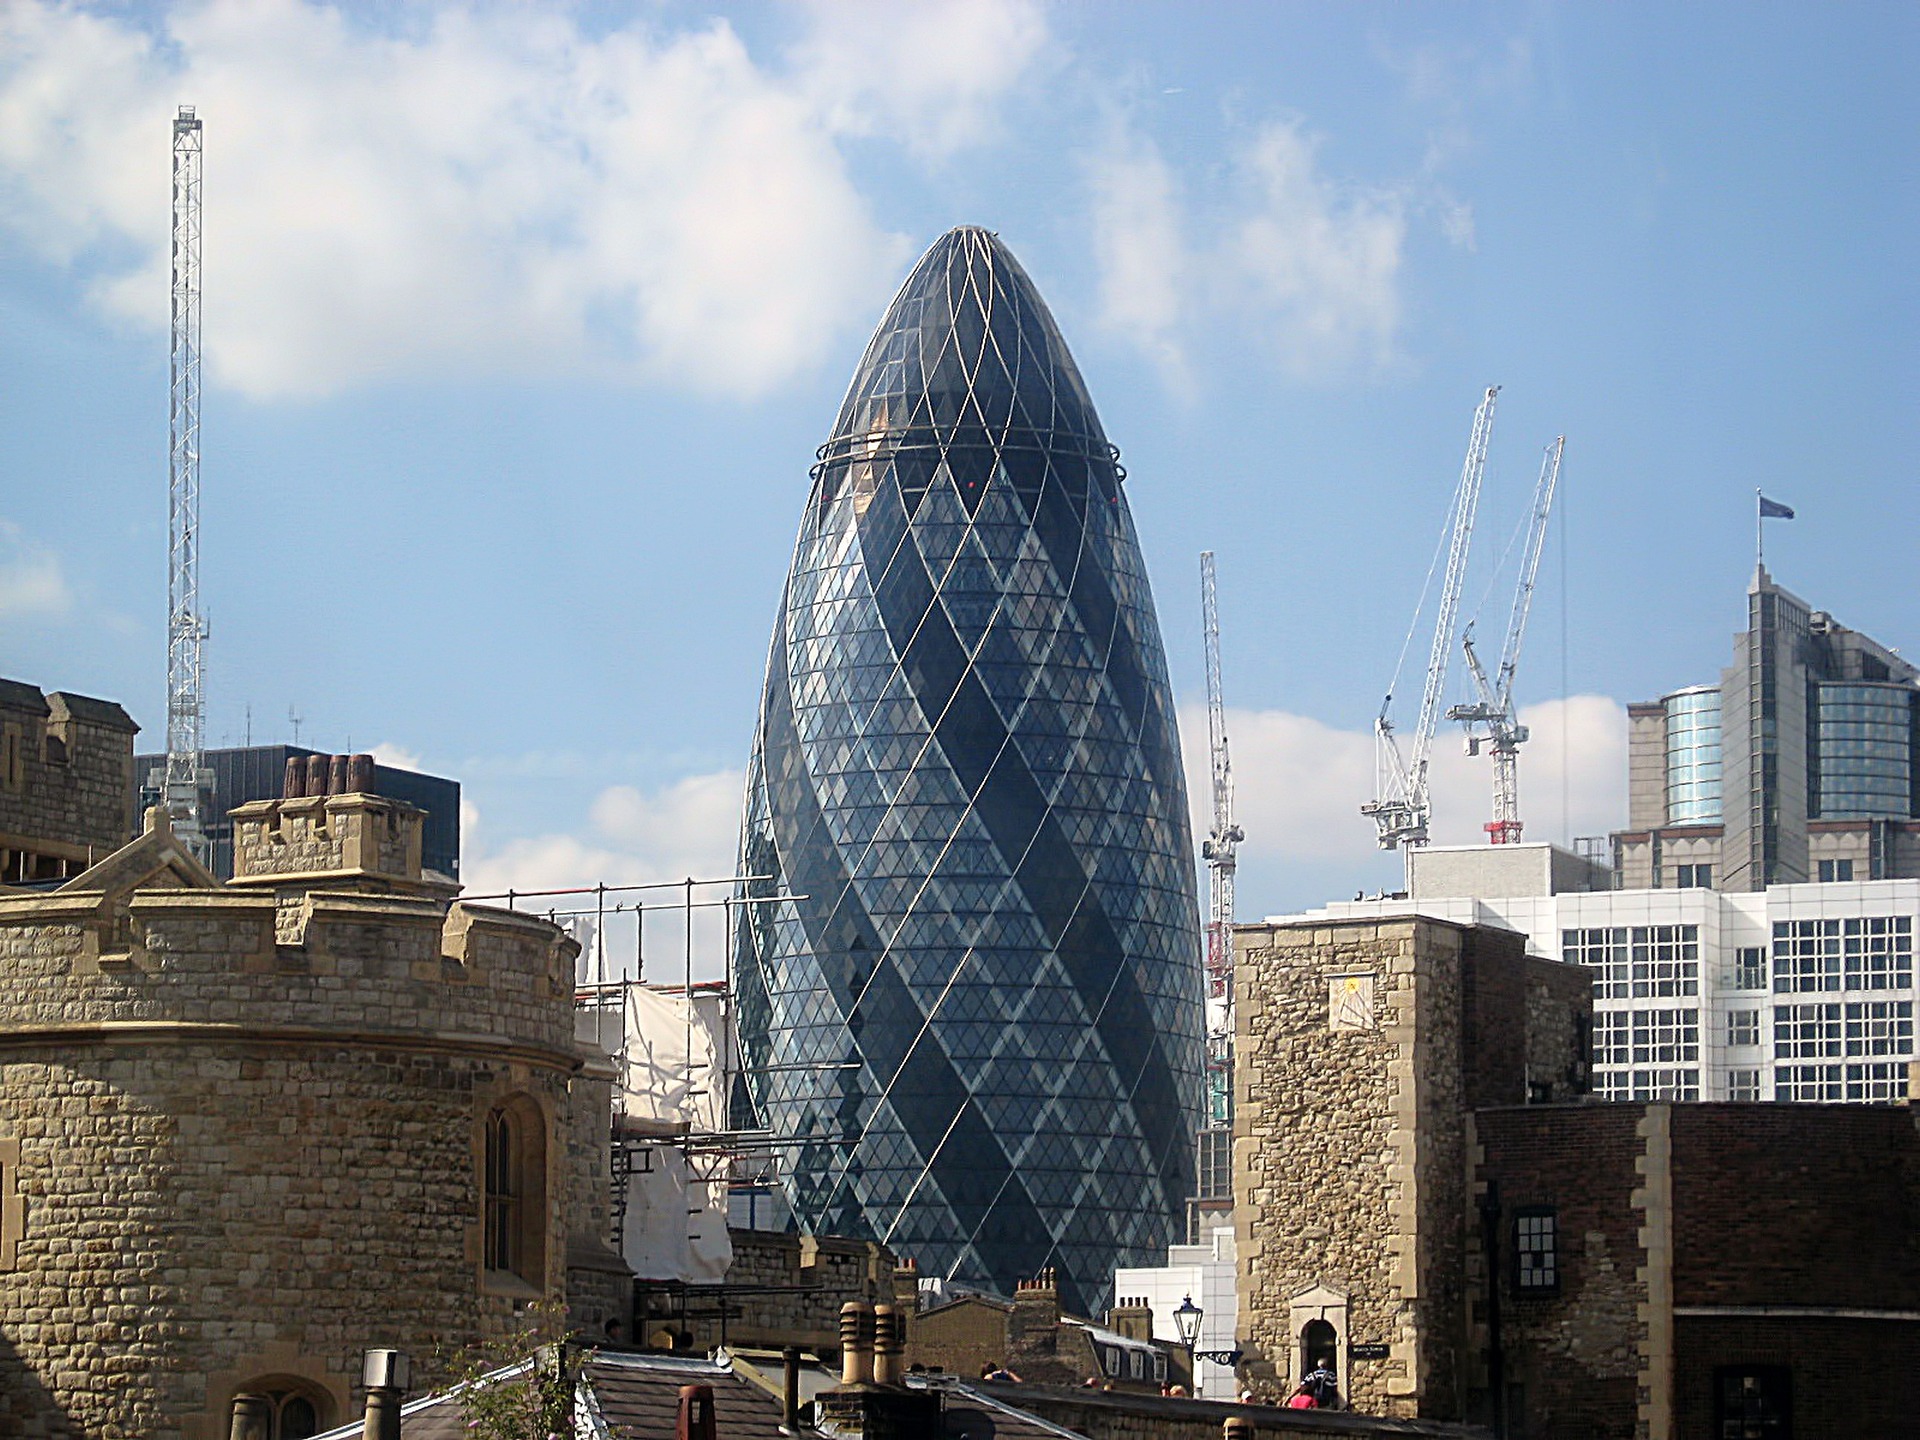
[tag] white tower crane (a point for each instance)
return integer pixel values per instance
(184, 779)
(1219, 850)
(1402, 808)
(1490, 720)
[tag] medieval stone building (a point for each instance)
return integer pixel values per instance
(248, 1131)
(1426, 1198)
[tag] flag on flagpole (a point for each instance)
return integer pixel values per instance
(1774, 510)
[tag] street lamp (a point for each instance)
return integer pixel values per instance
(1187, 1318)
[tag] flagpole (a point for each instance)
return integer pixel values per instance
(1759, 533)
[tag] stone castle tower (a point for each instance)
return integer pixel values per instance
(1362, 1051)
(249, 1131)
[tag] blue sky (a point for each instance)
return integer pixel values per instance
(523, 323)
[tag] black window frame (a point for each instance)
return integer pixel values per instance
(1527, 1283)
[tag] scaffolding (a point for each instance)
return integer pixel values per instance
(674, 1106)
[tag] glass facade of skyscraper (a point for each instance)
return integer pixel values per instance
(1693, 756)
(1864, 754)
(974, 1020)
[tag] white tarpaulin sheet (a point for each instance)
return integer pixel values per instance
(671, 1073)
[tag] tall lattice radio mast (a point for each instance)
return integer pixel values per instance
(183, 783)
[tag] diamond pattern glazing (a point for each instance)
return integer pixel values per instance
(980, 1029)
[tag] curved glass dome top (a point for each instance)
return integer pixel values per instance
(968, 345)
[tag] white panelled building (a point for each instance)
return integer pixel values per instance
(1797, 992)
(1202, 1274)
(1761, 944)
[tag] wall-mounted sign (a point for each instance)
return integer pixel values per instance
(1369, 1352)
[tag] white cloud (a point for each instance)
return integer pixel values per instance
(396, 757)
(489, 190)
(930, 74)
(1306, 266)
(630, 837)
(1299, 785)
(1141, 250)
(32, 584)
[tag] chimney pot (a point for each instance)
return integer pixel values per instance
(695, 1420)
(294, 784)
(360, 774)
(317, 771)
(856, 1343)
(336, 775)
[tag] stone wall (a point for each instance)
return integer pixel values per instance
(237, 1157)
(66, 782)
(1572, 1358)
(1362, 1049)
(780, 1290)
(1348, 1134)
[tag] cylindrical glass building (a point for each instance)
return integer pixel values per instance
(976, 1028)
(1693, 756)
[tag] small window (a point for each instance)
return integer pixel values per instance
(1743, 1085)
(1833, 870)
(1743, 1027)
(1536, 1247)
(1693, 877)
(1750, 968)
(1753, 1403)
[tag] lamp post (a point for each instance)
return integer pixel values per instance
(1186, 1318)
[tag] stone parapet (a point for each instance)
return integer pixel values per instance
(370, 964)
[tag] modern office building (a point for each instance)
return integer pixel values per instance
(1754, 938)
(974, 1021)
(1800, 765)
(244, 774)
(1796, 992)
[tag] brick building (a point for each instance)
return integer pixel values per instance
(249, 1130)
(1425, 1195)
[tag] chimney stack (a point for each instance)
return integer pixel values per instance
(856, 1343)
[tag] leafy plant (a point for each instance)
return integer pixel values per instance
(521, 1386)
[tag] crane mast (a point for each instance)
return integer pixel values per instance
(1490, 720)
(181, 785)
(1403, 808)
(1220, 850)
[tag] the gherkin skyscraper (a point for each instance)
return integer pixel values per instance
(979, 1023)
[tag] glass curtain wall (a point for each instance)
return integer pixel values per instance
(978, 1024)
(1693, 756)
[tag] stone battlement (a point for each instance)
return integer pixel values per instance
(355, 840)
(383, 965)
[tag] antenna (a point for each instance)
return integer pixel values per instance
(185, 781)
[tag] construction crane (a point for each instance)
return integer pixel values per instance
(1219, 851)
(1402, 808)
(1490, 720)
(184, 780)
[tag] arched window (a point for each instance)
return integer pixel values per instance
(296, 1409)
(514, 1188)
